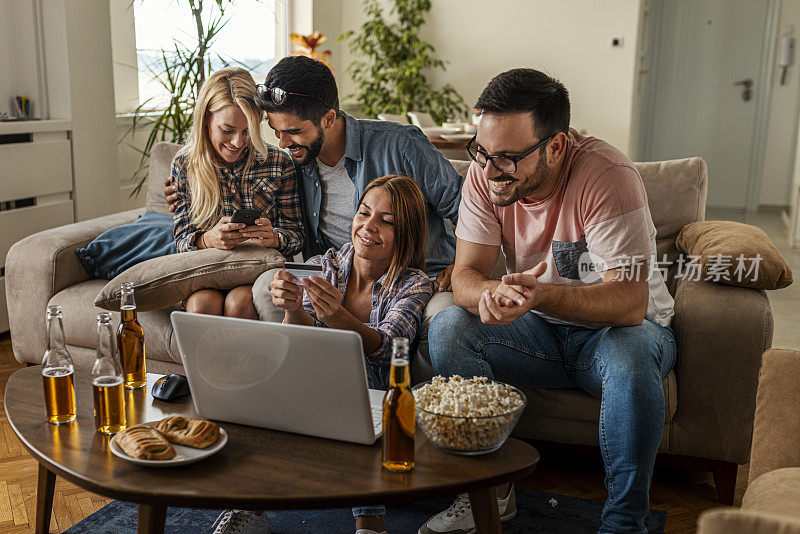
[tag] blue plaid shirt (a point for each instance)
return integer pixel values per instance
(377, 148)
(395, 313)
(269, 185)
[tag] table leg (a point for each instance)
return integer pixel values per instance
(44, 499)
(484, 511)
(151, 519)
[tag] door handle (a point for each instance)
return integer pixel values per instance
(747, 88)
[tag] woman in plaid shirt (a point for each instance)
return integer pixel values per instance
(375, 285)
(226, 166)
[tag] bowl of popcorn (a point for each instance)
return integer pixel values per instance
(467, 415)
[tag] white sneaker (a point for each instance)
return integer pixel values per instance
(458, 518)
(368, 531)
(241, 522)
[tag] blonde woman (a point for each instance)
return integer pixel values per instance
(226, 166)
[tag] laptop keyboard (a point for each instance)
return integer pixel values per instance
(377, 418)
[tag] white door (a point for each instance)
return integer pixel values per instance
(702, 49)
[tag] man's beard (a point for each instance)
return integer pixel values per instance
(526, 187)
(312, 150)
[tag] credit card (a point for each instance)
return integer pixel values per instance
(303, 270)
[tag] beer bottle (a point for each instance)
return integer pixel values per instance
(398, 413)
(58, 372)
(109, 405)
(130, 339)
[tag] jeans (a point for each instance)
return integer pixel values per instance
(374, 383)
(623, 366)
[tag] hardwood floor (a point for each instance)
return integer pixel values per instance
(18, 473)
(683, 494)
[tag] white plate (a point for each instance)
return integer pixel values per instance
(438, 131)
(183, 455)
(458, 137)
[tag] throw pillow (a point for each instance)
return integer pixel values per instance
(161, 282)
(113, 251)
(736, 254)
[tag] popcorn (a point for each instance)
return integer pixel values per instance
(467, 414)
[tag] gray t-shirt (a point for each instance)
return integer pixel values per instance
(338, 198)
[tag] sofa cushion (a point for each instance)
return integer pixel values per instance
(161, 157)
(719, 244)
(777, 421)
(166, 281)
(572, 403)
(121, 247)
(676, 194)
(80, 322)
(776, 492)
(734, 521)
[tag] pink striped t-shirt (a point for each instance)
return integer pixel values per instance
(597, 217)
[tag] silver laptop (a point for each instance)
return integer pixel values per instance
(293, 378)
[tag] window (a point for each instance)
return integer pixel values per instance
(247, 39)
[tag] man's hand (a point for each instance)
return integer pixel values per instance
(261, 233)
(170, 193)
(225, 235)
(324, 297)
(443, 279)
(285, 291)
(513, 297)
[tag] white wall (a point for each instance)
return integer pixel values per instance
(18, 68)
(783, 121)
(123, 51)
(569, 40)
(91, 89)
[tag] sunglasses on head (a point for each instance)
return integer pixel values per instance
(278, 96)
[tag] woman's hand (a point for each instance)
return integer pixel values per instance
(285, 291)
(325, 298)
(261, 233)
(225, 235)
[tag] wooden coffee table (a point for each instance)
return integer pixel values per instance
(257, 470)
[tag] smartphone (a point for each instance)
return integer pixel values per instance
(302, 270)
(246, 216)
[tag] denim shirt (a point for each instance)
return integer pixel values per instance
(374, 149)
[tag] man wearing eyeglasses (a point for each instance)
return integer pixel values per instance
(578, 307)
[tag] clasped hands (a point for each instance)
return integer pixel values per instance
(514, 296)
(325, 298)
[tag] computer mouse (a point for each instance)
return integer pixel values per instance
(170, 387)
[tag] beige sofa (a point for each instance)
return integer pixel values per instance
(710, 395)
(771, 504)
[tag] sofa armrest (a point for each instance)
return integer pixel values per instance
(721, 332)
(40, 266)
(776, 429)
(727, 520)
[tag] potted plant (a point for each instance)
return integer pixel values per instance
(389, 73)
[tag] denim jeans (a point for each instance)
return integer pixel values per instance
(623, 366)
(374, 382)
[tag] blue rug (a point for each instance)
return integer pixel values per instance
(535, 514)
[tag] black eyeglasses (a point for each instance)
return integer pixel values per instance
(506, 164)
(278, 96)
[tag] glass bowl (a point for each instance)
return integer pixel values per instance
(468, 435)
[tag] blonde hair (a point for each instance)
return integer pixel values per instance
(225, 87)
(410, 224)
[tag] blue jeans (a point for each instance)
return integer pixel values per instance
(374, 382)
(623, 366)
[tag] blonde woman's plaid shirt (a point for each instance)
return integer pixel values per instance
(268, 185)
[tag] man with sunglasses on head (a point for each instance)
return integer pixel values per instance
(578, 307)
(337, 156)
